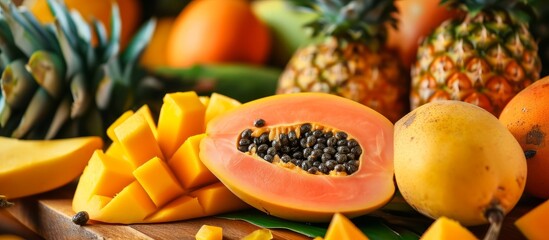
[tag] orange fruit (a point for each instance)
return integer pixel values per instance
(154, 54)
(130, 13)
(217, 31)
(527, 117)
(416, 20)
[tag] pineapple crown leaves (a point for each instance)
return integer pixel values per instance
(351, 19)
(520, 10)
(67, 69)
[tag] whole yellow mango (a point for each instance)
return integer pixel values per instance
(457, 160)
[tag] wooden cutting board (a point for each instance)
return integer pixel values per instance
(49, 215)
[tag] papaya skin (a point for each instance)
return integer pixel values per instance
(296, 195)
(457, 160)
(48, 165)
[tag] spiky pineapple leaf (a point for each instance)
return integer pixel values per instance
(113, 44)
(20, 29)
(138, 43)
(61, 15)
(48, 37)
(73, 62)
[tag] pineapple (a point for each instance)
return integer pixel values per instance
(540, 29)
(55, 83)
(485, 57)
(349, 57)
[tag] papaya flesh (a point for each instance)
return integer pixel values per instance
(280, 186)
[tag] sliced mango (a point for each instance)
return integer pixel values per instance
(182, 208)
(187, 166)
(219, 104)
(104, 175)
(131, 204)
(146, 113)
(132, 182)
(158, 181)
(205, 100)
(38, 169)
(207, 232)
(209, 198)
(534, 224)
(181, 116)
(116, 123)
(448, 229)
(341, 228)
(115, 150)
(137, 140)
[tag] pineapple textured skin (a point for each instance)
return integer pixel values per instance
(484, 59)
(351, 70)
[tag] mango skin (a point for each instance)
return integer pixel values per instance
(455, 159)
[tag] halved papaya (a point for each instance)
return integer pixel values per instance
(303, 156)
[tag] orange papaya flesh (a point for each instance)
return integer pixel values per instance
(341, 228)
(134, 182)
(291, 193)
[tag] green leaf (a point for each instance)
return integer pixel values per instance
(239, 81)
(373, 227)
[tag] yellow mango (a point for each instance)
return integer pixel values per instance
(219, 104)
(115, 150)
(205, 100)
(534, 224)
(116, 123)
(181, 116)
(158, 181)
(146, 113)
(207, 232)
(182, 208)
(104, 175)
(95, 204)
(131, 205)
(341, 228)
(259, 234)
(44, 164)
(137, 140)
(187, 166)
(448, 229)
(210, 195)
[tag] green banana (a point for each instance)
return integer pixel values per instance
(48, 69)
(40, 105)
(239, 81)
(17, 84)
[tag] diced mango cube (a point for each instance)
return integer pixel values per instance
(187, 166)
(207, 232)
(182, 208)
(204, 100)
(181, 116)
(446, 228)
(95, 204)
(116, 123)
(137, 139)
(104, 175)
(146, 112)
(131, 205)
(341, 228)
(158, 181)
(259, 234)
(219, 104)
(209, 199)
(534, 224)
(115, 150)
